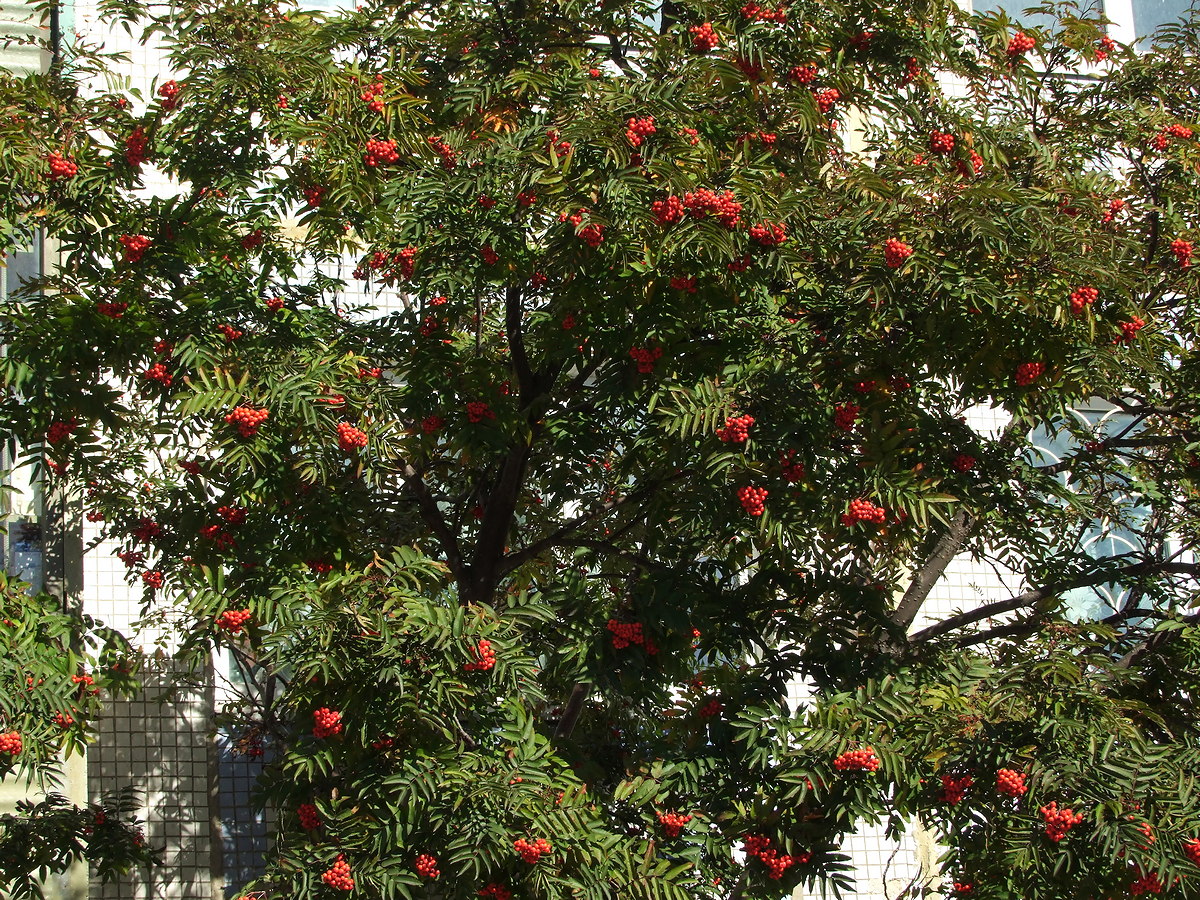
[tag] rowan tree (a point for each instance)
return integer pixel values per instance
(678, 313)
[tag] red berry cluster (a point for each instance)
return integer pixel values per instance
(60, 167)
(1028, 372)
(723, 207)
(1104, 47)
(380, 152)
(1114, 207)
(192, 467)
(845, 415)
(61, 430)
(477, 411)
(319, 566)
(426, 866)
(757, 13)
(486, 202)
(430, 424)
(974, 167)
(135, 246)
(673, 823)
(645, 357)
(1020, 44)
(339, 875)
(10, 743)
(667, 211)
(153, 579)
(169, 91)
(231, 333)
(1191, 849)
(309, 818)
(752, 499)
(313, 195)
(704, 38)
(863, 760)
(954, 789)
(222, 539)
(912, 70)
(350, 438)
(441, 148)
(1059, 821)
(554, 145)
(640, 129)
(112, 310)
(625, 634)
(247, 419)
(1010, 783)
(234, 515)
(803, 74)
(712, 708)
(792, 471)
(826, 98)
(253, 240)
(131, 558)
(759, 847)
(1146, 883)
(864, 511)
(684, 283)
(232, 621)
(485, 658)
(1163, 138)
(490, 256)
(736, 430)
(962, 888)
(963, 463)
(532, 852)
(940, 142)
(895, 252)
(496, 892)
(64, 720)
(591, 234)
(371, 94)
(327, 722)
(525, 199)
(768, 234)
(158, 372)
(1183, 251)
(1130, 329)
(1082, 298)
(87, 684)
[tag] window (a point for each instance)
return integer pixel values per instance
(1115, 534)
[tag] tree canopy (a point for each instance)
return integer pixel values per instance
(526, 392)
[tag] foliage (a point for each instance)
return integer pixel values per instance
(493, 550)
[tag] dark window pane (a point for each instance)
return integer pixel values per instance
(1149, 14)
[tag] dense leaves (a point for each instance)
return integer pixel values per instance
(660, 406)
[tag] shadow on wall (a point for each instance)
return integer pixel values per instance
(243, 829)
(159, 743)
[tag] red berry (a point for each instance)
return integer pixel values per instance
(863, 760)
(309, 818)
(1028, 372)
(327, 722)
(350, 438)
(1020, 44)
(338, 876)
(1082, 298)
(10, 743)
(426, 866)
(895, 252)
(1010, 783)
(752, 499)
(704, 38)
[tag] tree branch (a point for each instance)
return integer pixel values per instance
(432, 516)
(1030, 597)
(946, 549)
